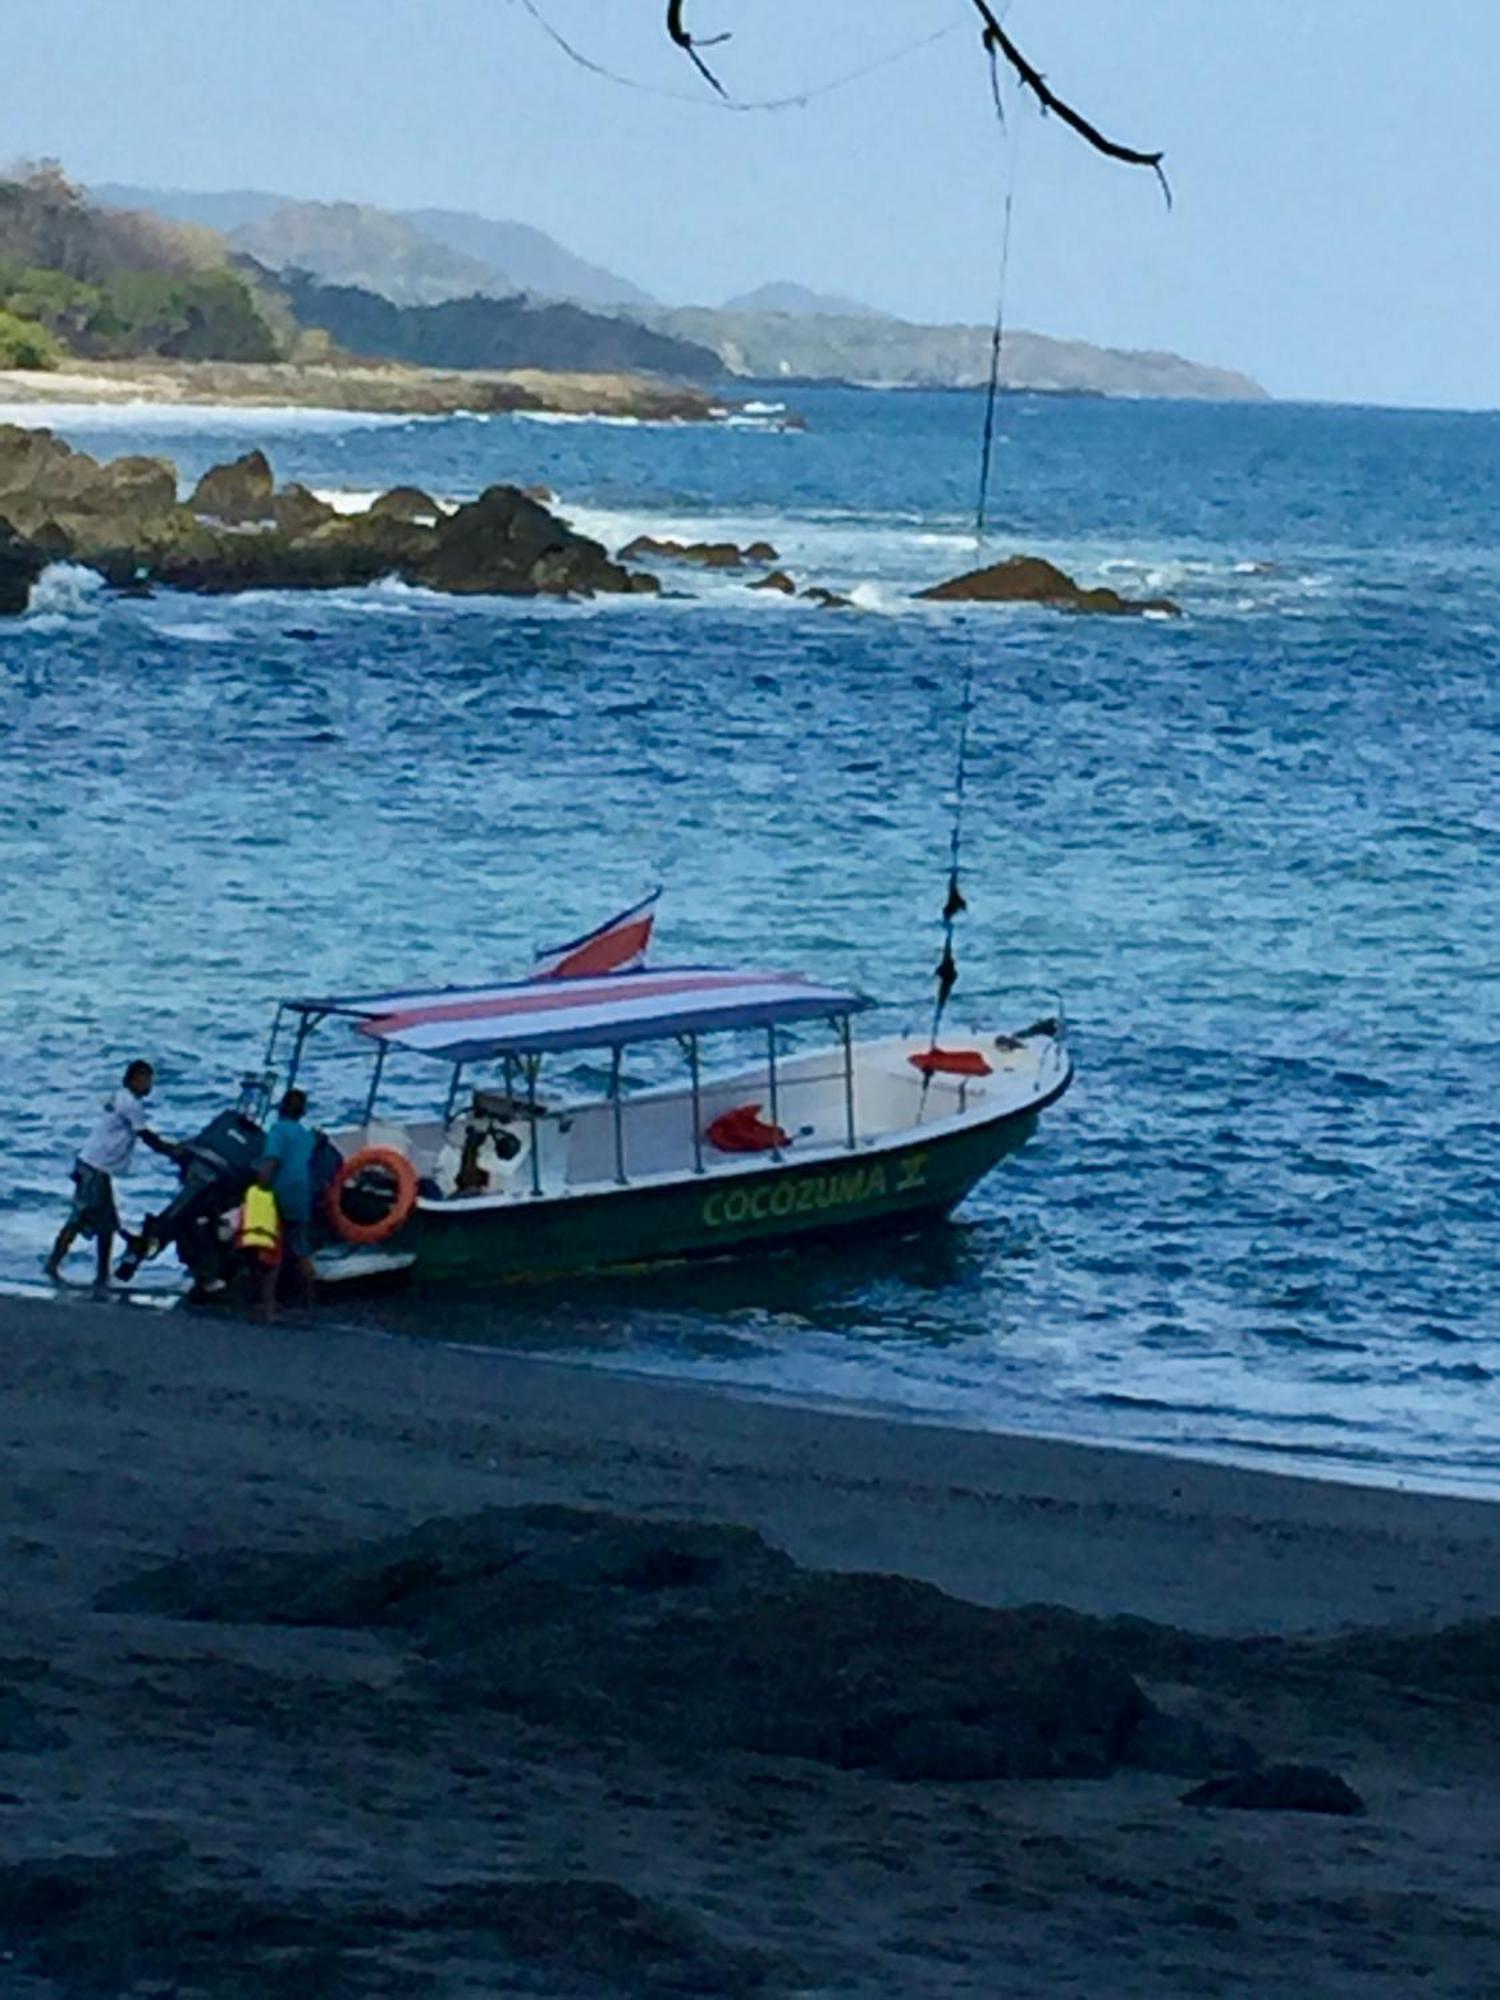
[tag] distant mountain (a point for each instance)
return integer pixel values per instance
(892, 353)
(347, 243)
(229, 210)
(480, 332)
(782, 296)
(536, 261)
(499, 257)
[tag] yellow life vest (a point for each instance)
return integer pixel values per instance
(260, 1226)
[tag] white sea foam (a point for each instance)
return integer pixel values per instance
(64, 591)
(590, 417)
(252, 418)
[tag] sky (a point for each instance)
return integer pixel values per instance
(1334, 163)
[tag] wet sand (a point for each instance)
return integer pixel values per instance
(301, 1807)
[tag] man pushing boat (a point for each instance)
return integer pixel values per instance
(108, 1150)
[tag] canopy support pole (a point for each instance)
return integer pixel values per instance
(693, 1072)
(269, 1064)
(532, 1065)
(375, 1081)
(458, 1071)
(850, 1136)
(771, 1073)
(305, 1026)
(618, 1110)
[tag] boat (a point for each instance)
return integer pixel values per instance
(515, 1174)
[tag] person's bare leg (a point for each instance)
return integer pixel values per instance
(307, 1279)
(270, 1277)
(104, 1243)
(67, 1236)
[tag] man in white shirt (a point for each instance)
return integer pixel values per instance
(108, 1151)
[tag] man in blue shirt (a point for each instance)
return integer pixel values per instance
(286, 1169)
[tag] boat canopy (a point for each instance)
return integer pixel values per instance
(534, 1016)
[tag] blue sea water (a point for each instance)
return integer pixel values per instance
(1257, 850)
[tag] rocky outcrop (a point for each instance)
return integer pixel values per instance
(708, 555)
(238, 493)
(48, 490)
(1033, 580)
(504, 543)
(238, 533)
(21, 563)
(1301, 1788)
(409, 503)
(777, 580)
(297, 511)
(700, 1638)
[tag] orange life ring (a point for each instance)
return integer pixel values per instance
(401, 1171)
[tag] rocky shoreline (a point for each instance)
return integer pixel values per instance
(240, 531)
(373, 387)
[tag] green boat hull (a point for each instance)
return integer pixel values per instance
(714, 1215)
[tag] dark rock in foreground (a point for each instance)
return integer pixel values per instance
(706, 1638)
(112, 1924)
(239, 533)
(1303, 1788)
(777, 580)
(1032, 580)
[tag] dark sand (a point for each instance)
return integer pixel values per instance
(265, 1808)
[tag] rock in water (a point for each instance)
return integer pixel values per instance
(777, 580)
(50, 493)
(237, 494)
(407, 503)
(20, 565)
(708, 555)
(297, 511)
(1033, 580)
(509, 545)
(1304, 1788)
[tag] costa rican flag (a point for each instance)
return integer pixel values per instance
(618, 946)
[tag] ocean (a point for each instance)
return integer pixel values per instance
(1256, 850)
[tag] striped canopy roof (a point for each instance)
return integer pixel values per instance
(530, 1017)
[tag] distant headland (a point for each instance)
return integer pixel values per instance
(245, 297)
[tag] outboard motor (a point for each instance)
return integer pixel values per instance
(216, 1167)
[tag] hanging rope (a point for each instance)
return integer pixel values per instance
(954, 905)
(997, 334)
(723, 101)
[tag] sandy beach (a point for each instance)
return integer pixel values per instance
(335, 1768)
(373, 387)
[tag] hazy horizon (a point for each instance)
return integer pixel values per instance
(1329, 233)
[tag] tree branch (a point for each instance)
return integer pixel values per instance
(996, 41)
(1031, 78)
(677, 29)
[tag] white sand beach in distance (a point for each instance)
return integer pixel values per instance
(322, 1776)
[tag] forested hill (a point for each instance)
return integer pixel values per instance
(75, 279)
(490, 333)
(86, 282)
